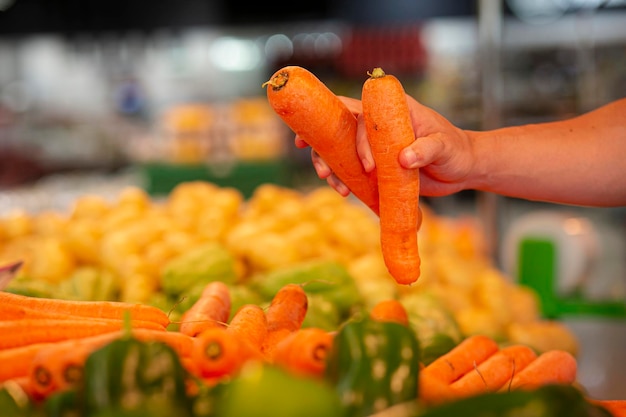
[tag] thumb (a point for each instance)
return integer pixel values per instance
(423, 151)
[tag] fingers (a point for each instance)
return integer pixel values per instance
(300, 143)
(353, 104)
(423, 151)
(363, 146)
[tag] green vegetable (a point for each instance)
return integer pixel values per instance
(547, 401)
(89, 283)
(434, 325)
(211, 262)
(62, 404)
(14, 402)
(321, 313)
(374, 365)
(328, 278)
(130, 377)
(266, 391)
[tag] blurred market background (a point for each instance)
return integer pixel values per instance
(99, 95)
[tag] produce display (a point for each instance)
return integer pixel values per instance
(194, 303)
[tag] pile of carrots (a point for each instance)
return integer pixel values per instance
(45, 343)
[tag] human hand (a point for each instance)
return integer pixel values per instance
(441, 151)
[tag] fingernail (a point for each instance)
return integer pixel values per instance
(408, 158)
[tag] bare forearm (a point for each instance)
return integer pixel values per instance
(577, 161)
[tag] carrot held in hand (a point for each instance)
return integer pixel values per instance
(389, 130)
(322, 120)
(212, 309)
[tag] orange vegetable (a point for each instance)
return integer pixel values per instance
(390, 310)
(249, 324)
(389, 130)
(16, 361)
(433, 391)
(210, 310)
(97, 309)
(461, 359)
(322, 120)
(304, 351)
(551, 367)
(30, 331)
(218, 353)
(495, 371)
(285, 315)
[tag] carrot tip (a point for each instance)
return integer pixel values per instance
(376, 73)
(278, 81)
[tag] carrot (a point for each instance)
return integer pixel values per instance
(30, 331)
(285, 315)
(99, 309)
(60, 365)
(218, 353)
(461, 359)
(249, 324)
(433, 391)
(389, 130)
(304, 351)
(210, 310)
(16, 361)
(390, 310)
(551, 367)
(495, 371)
(322, 120)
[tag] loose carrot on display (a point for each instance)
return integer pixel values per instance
(210, 310)
(495, 371)
(97, 309)
(304, 351)
(322, 120)
(390, 310)
(249, 324)
(285, 315)
(26, 332)
(461, 359)
(551, 367)
(389, 130)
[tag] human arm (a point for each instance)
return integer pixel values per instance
(575, 161)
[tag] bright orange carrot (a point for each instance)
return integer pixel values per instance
(433, 391)
(322, 120)
(495, 371)
(16, 361)
(285, 315)
(210, 310)
(304, 351)
(390, 310)
(60, 365)
(551, 367)
(461, 359)
(249, 324)
(30, 331)
(98, 309)
(218, 353)
(389, 130)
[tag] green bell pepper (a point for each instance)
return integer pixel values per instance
(374, 365)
